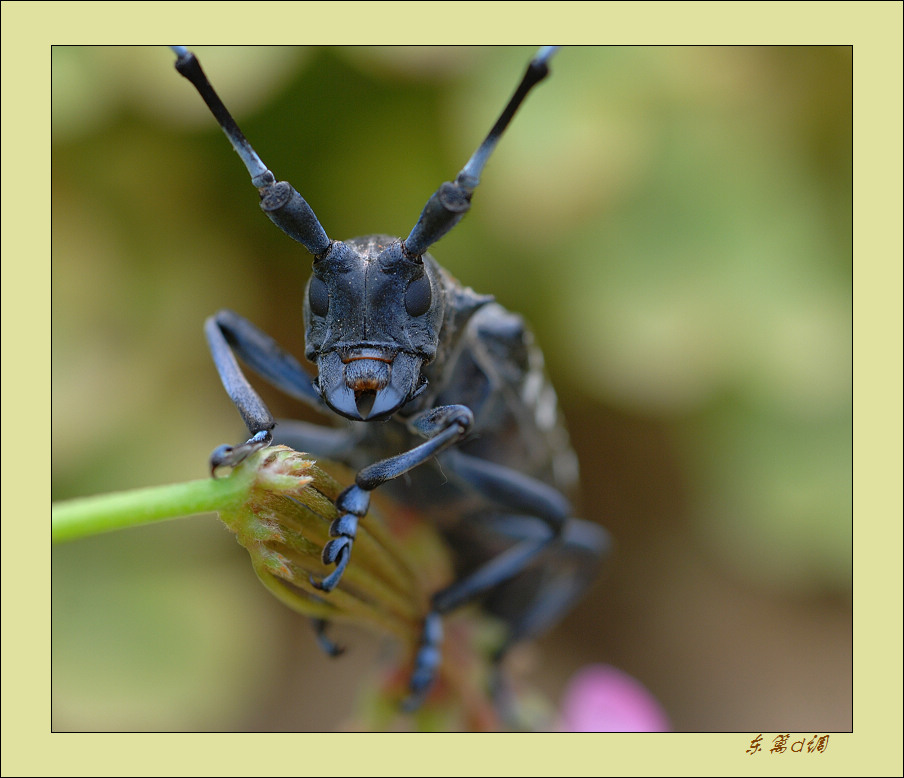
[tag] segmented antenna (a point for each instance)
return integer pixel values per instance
(452, 200)
(286, 208)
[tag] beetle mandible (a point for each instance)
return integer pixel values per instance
(469, 413)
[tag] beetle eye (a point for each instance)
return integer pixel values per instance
(318, 297)
(418, 296)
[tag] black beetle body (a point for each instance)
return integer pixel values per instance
(436, 382)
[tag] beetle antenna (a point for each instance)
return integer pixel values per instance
(452, 200)
(279, 199)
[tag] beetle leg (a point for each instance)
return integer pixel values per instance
(539, 597)
(228, 335)
(443, 427)
(331, 443)
(494, 572)
(539, 524)
(329, 647)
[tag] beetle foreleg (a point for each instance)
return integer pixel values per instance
(443, 427)
(228, 335)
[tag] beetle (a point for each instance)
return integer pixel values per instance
(427, 379)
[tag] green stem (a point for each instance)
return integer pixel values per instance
(86, 516)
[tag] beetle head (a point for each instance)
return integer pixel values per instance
(372, 321)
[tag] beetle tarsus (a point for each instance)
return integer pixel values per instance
(230, 456)
(328, 646)
(339, 551)
(426, 662)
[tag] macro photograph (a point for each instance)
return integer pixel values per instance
(576, 424)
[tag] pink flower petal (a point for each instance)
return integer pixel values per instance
(600, 698)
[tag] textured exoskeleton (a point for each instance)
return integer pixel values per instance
(469, 414)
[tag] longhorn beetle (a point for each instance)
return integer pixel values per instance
(436, 382)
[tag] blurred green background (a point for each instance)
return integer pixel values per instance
(675, 224)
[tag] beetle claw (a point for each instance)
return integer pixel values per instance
(329, 647)
(340, 551)
(230, 456)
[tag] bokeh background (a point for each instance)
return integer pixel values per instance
(674, 222)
